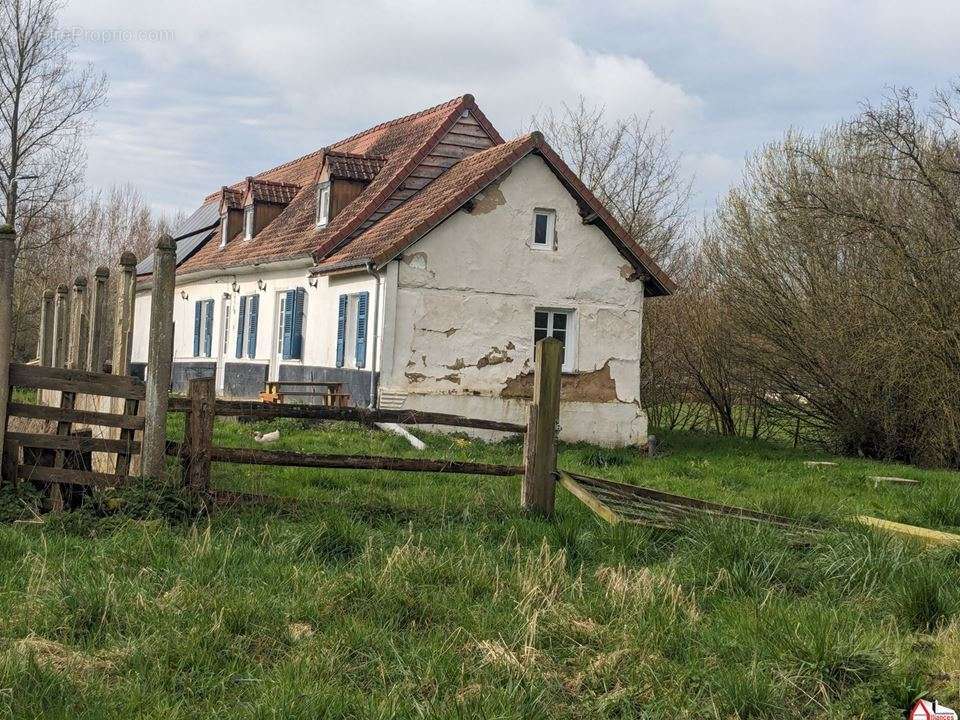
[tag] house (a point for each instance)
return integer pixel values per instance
(417, 263)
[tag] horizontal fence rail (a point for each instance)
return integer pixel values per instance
(68, 476)
(269, 411)
(76, 381)
(75, 443)
(84, 417)
(244, 456)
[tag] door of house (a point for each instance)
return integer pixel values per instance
(222, 345)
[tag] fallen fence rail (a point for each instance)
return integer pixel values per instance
(620, 502)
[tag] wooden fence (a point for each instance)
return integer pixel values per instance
(197, 451)
(70, 366)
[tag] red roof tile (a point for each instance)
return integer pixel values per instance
(294, 233)
(415, 218)
(276, 193)
(384, 156)
(351, 166)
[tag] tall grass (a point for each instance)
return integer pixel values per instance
(378, 595)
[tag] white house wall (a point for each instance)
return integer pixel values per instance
(320, 323)
(462, 336)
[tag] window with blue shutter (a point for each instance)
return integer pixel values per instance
(341, 329)
(253, 308)
(197, 317)
(208, 329)
(363, 301)
(290, 298)
(241, 325)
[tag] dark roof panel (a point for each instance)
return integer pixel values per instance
(189, 235)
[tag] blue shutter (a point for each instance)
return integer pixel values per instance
(296, 350)
(363, 300)
(341, 329)
(288, 324)
(253, 308)
(197, 312)
(208, 330)
(241, 317)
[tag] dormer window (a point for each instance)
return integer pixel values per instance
(224, 232)
(323, 204)
(248, 222)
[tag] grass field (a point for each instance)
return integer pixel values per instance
(400, 595)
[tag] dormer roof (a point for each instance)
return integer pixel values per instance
(352, 166)
(269, 191)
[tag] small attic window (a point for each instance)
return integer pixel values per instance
(544, 229)
(223, 232)
(323, 204)
(248, 222)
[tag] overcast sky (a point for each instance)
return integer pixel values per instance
(216, 90)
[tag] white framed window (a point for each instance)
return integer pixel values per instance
(557, 324)
(323, 204)
(248, 222)
(544, 229)
(223, 231)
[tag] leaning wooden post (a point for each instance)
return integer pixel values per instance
(199, 433)
(77, 339)
(540, 450)
(61, 318)
(123, 318)
(98, 305)
(7, 257)
(45, 339)
(159, 358)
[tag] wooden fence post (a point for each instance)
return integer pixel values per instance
(98, 304)
(123, 319)
(77, 340)
(199, 433)
(7, 256)
(540, 449)
(45, 340)
(159, 358)
(61, 317)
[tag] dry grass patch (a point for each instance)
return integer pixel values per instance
(55, 656)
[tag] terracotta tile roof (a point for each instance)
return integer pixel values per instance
(229, 197)
(351, 166)
(412, 220)
(276, 193)
(402, 142)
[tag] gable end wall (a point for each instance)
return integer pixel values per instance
(465, 298)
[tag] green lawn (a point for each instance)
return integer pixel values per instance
(386, 595)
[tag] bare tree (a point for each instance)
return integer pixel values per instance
(92, 230)
(840, 260)
(46, 102)
(628, 164)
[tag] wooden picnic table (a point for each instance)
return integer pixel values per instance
(329, 393)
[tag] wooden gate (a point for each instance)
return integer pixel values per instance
(59, 449)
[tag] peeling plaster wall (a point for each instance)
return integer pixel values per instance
(462, 337)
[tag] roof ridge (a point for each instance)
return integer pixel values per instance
(403, 119)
